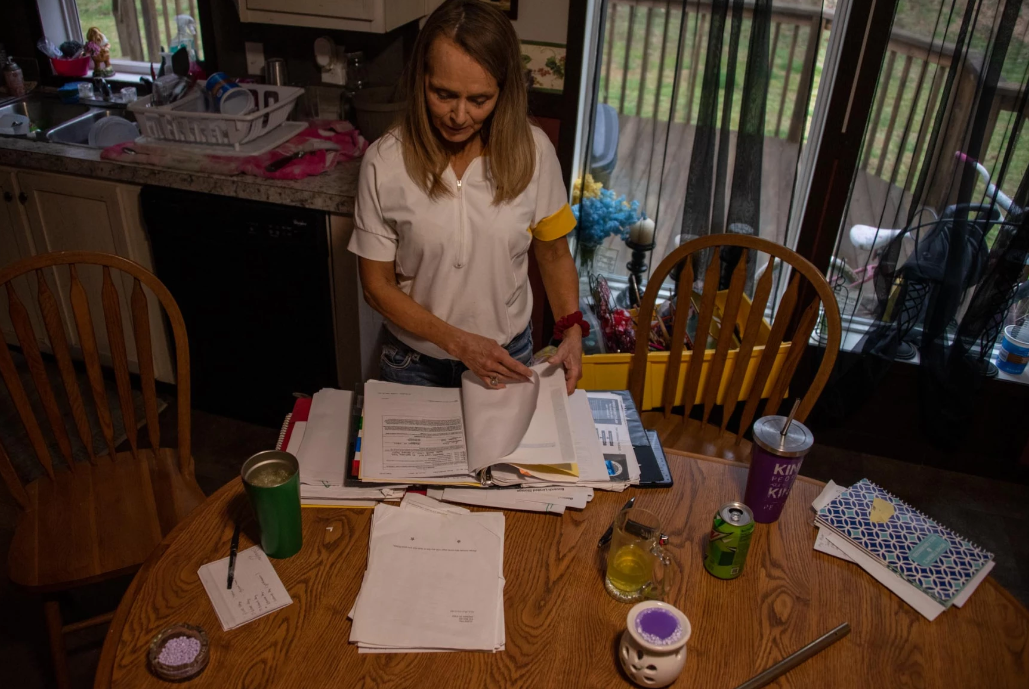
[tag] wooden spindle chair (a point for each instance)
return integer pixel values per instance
(700, 436)
(83, 522)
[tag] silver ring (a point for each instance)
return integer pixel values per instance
(494, 381)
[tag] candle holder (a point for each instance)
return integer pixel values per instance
(637, 267)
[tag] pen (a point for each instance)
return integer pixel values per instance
(232, 555)
(611, 529)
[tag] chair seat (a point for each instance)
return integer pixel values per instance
(98, 521)
(696, 438)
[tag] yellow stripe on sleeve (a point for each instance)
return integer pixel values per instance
(555, 226)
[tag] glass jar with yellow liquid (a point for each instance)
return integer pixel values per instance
(638, 566)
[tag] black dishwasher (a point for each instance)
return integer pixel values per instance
(253, 282)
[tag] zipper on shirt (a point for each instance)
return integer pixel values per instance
(461, 228)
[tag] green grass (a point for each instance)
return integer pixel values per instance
(98, 13)
(624, 90)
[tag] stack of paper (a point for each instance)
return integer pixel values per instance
(553, 499)
(256, 588)
(321, 444)
(528, 434)
(434, 581)
(927, 565)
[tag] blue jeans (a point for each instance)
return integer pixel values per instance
(401, 364)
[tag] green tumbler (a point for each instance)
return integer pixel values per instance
(272, 480)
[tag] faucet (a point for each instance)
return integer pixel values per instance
(102, 87)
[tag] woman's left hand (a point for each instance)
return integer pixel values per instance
(569, 355)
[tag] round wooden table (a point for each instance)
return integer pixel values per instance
(562, 628)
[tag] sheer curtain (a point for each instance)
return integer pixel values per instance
(700, 113)
(931, 260)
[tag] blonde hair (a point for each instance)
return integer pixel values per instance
(487, 36)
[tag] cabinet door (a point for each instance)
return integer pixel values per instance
(78, 214)
(342, 9)
(15, 244)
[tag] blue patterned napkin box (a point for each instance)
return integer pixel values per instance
(926, 554)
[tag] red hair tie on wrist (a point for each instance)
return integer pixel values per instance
(566, 322)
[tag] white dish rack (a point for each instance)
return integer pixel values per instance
(188, 120)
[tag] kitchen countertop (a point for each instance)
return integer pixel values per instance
(332, 191)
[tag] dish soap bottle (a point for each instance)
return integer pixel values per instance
(186, 36)
(13, 79)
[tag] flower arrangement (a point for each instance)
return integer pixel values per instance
(600, 214)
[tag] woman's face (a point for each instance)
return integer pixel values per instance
(460, 93)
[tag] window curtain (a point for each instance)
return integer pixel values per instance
(942, 269)
(699, 115)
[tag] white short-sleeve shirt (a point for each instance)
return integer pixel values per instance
(460, 256)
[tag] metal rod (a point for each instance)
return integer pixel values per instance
(789, 419)
(792, 661)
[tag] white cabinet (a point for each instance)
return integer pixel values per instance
(15, 244)
(66, 213)
(372, 16)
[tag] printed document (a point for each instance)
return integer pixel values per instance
(442, 435)
(434, 582)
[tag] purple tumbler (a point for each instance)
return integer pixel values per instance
(774, 465)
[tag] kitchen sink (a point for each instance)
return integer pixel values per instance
(44, 112)
(76, 131)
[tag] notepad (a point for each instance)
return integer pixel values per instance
(256, 588)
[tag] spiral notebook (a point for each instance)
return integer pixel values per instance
(926, 554)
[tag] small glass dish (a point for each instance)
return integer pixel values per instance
(178, 673)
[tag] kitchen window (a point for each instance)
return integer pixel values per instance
(136, 29)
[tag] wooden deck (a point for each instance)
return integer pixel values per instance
(642, 146)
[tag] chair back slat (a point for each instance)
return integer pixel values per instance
(767, 356)
(682, 306)
(799, 344)
(21, 402)
(119, 357)
(725, 335)
(771, 353)
(751, 329)
(707, 310)
(87, 341)
(141, 328)
(12, 481)
(59, 346)
(30, 350)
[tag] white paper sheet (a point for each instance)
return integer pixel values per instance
(548, 438)
(296, 437)
(434, 581)
(256, 588)
(322, 454)
(503, 500)
(918, 600)
(411, 431)
(496, 421)
(423, 503)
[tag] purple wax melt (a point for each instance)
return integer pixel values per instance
(658, 626)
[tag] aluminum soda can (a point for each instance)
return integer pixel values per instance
(730, 540)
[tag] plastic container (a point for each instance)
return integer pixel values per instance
(188, 120)
(76, 67)
(1014, 350)
(375, 112)
(611, 371)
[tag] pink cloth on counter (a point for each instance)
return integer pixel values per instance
(351, 145)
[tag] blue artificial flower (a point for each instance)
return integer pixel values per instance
(603, 216)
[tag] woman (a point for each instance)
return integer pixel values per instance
(449, 203)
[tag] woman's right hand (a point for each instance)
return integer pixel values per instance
(486, 359)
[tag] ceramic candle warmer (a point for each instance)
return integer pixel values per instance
(653, 646)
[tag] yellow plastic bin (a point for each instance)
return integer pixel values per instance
(611, 371)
